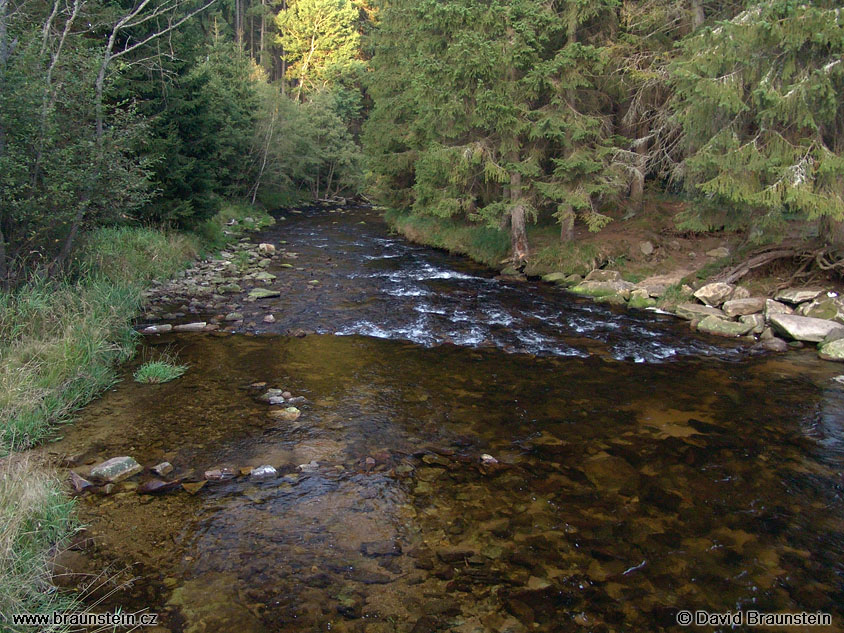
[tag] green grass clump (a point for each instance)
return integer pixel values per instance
(158, 371)
(214, 233)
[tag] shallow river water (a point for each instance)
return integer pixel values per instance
(641, 470)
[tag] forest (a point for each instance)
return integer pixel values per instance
(501, 114)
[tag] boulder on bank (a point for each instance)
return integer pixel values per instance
(603, 275)
(775, 307)
(720, 327)
(740, 307)
(714, 294)
(802, 328)
(554, 278)
(604, 288)
(796, 296)
(692, 311)
(829, 308)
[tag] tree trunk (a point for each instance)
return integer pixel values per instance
(4, 59)
(261, 39)
(698, 16)
(518, 232)
(4, 271)
(567, 226)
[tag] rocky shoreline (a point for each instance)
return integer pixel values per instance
(792, 318)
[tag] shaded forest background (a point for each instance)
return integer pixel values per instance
(494, 113)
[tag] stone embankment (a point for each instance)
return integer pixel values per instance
(793, 317)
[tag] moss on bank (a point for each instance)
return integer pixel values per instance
(60, 341)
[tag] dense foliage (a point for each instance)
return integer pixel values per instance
(505, 112)
(152, 112)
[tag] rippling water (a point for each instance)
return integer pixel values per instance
(639, 471)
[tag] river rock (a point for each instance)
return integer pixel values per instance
(190, 327)
(219, 474)
(162, 469)
(80, 484)
(553, 278)
(269, 319)
(692, 311)
(756, 321)
(608, 472)
(603, 275)
(802, 328)
(714, 294)
(116, 469)
(225, 289)
(795, 296)
(288, 414)
(720, 327)
(646, 248)
(263, 472)
(740, 292)
(739, 307)
(157, 486)
(263, 293)
(157, 329)
(829, 308)
(311, 466)
(775, 307)
(266, 249)
(234, 316)
(773, 344)
(605, 288)
(264, 276)
(381, 548)
(832, 351)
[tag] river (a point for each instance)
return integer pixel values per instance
(638, 469)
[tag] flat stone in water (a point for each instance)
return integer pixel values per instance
(116, 469)
(263, 293)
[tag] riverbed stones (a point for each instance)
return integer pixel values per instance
(720, 327)
(157, 329)
(802, 328)
(263, 293)
(714, 294)
(157, 486)
(219, 474)
(739, 307)
(198, 326)
(264, 472)
(225, 289)
(263, 276)
(288, 414)
(269, 318)
(234, 316)
(78, 483)
(266, 249)
(692, 311)
(116, 469)
(162, 469)
(796, 296)
(381, 548)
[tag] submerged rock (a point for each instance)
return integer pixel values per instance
(162, 469)
(263, 293)
(219, 474)
(288, 414)
(116, 469)
(157, 486)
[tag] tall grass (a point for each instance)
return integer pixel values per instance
(34, 517)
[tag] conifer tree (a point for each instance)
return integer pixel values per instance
(760, 102)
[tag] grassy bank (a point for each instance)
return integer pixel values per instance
(491, 246)
(60, 343)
